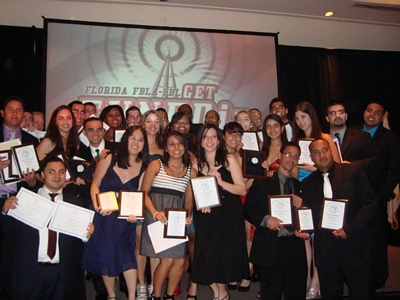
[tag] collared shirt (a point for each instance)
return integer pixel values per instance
(101, 147)
(289, 131)
(370, 131)
(44, 233)
(341, 132)
(282, 179)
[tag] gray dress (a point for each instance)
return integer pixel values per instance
(166, 192)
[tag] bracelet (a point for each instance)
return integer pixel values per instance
(155, 214)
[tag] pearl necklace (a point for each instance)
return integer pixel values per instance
(174, 168)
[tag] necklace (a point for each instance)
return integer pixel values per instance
(174, 168)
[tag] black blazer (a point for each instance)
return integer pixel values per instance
(87, 154)
(348, 182)
(25, 137)
(356, 147)
(265, 243)
(25, 241)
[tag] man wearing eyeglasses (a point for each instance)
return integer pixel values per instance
(78, 109)
(355, 145)
(277, 248)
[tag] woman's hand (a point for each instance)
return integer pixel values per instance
(160, 216)
(206, 210)
(131, 219)
(265, 165)
(189, 221)
(90, 230)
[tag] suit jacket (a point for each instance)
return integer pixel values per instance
(265, 243)
(25, 137)
(348, 182)
(24, 258)
(87, 154)
(384, 169)
(356, 147)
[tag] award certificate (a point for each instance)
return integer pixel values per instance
(107, 201)
(71, 219)
(333, 213)
(118, 133)
(176, 225)
(33, 210)
(305, 151)
(281, 208)
(131, 203)
(26, 158)
(304, 219)
(205, 191)
(250, 141)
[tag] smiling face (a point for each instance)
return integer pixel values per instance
(133, 118)
(373, 115)
(232, 140)
(79, 112)
(273, 129)
(303, 120)
(94, 131)
(135, 142)
(54, 176)
(243, 118)
(175, 147)
(288, 160)
(13, 114)
(321, 154)
(64, 121)
(182, 126)
(89, 110)
(210, 140)
(114, 118)
(279, 109)
(212, 117)
(151, 124)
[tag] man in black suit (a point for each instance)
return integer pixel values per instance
(12, 112)
(40, 271)
(384, 174)
(355, 145)
(278, 250)
(341, 255)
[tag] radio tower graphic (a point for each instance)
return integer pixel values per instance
(167, 77)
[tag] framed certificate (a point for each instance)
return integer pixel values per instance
(305, 151)
(280, 207)
(26, 158)
(250, 141)
(5, 173)
(252, 164)
(107, 201)
(131, 203)
(338, 149)
(71, 219)
(305, 219)
(333, 213)
(176, 225)
(118, 133)
(205, 191)
(190, 141)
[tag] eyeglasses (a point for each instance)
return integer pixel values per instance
(134, 138)
(339, 112)
(289, 155)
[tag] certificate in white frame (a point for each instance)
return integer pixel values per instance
(305, 152)
(205, 191)
(333, 213)
(250, 141)
(176, 225)
(280, 206)
(26, 158)
(131, 203)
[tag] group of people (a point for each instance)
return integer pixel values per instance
(229, 245)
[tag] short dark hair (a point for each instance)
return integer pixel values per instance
(14, 98)
(379, 103)
(334, 104)
(276, 99)
(132, 108)
(91, 119)
(74, 102)
(89, 103)
(289, 144)
(45, 162)
(319, 139)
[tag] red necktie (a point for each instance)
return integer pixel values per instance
(52, 242)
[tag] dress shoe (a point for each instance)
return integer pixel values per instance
(177, 291)
(232, 286)
(244, 288)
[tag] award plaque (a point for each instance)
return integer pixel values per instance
(252, 164)
(118, 133)
(26, 158)
(107, 201)
(333, 213)
(5, 173)
(280, 207)
(81, 168)
(131, 203)
(205, 191)
(305, 151)
(250, 141)
(176, 225)
(305, 219)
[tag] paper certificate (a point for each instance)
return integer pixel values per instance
(304, 219)
(158, 241)
(305, 151)
(107, 201)
(26, 158)
(33, 210)
(118, 133)
(71, 219)
(205, 191)
(131, 203)
(281, 208)
(333, 213)
(176, 225)
(250, 141)
(252, 164)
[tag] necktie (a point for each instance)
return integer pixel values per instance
(52, 241)
(338, 138)
(97, 154)
(12, 135)
(327, 186)
(287, 187)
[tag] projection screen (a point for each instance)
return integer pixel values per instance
(152, 67)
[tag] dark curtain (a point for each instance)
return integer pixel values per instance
(354, 77)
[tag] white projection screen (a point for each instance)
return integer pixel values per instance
(153, 67)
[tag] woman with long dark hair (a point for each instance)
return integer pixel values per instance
(223, 251)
